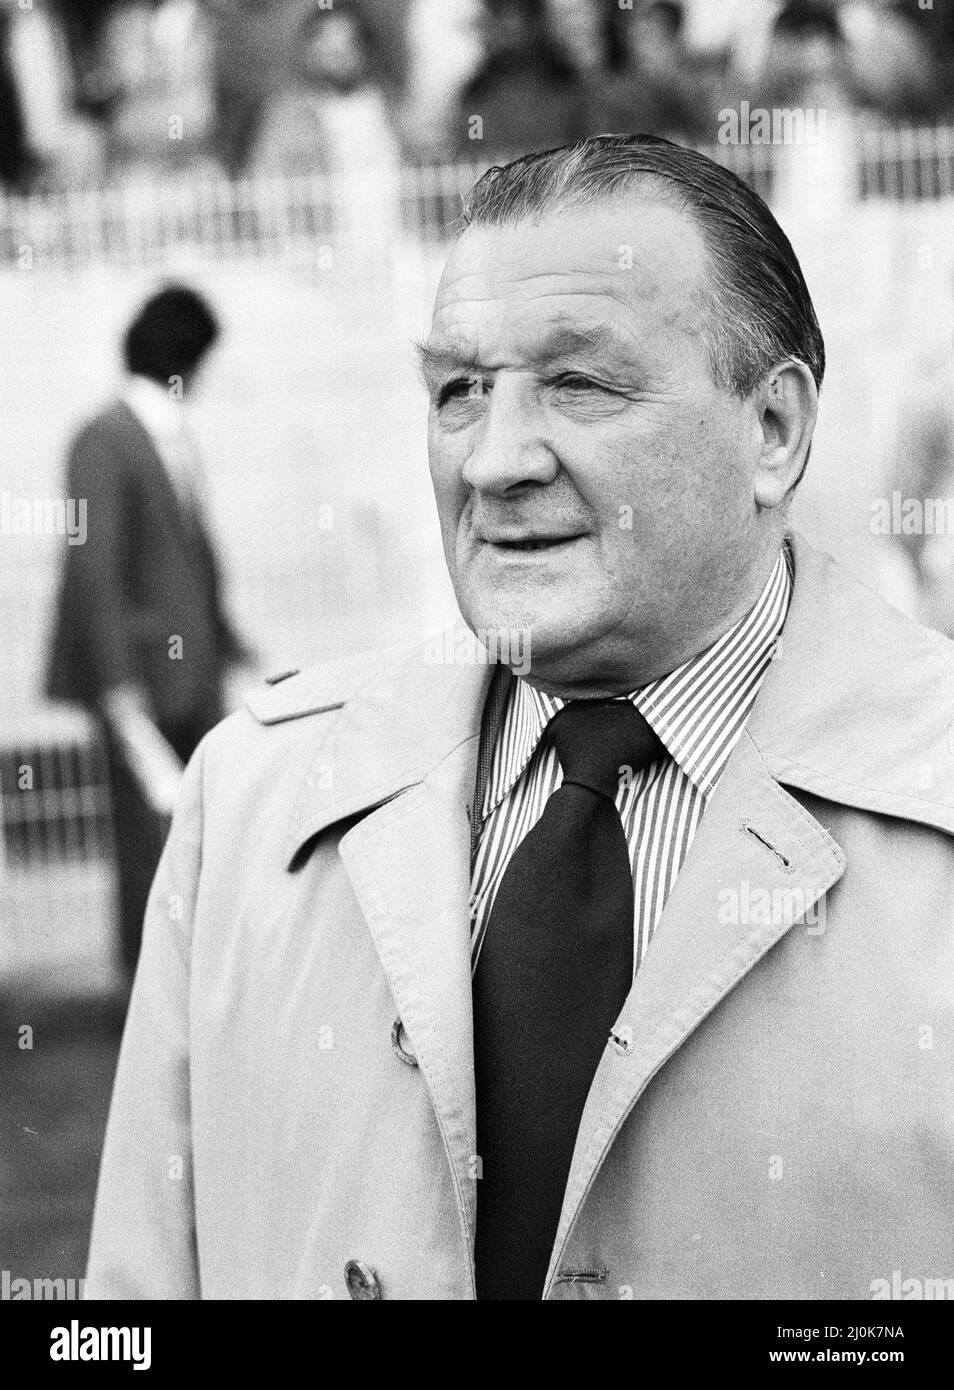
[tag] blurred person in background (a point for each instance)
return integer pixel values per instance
(248, 40)
(804, 78)
(527, 93)
(920, 495)
(159, 58)
(896, 68)
(444, 51)
(333, 117)
(335, 120)
(806, 61)
(84, 24)
(578, 26)
(654, 89)
(59, 143)
(141, 638)
(17, 160)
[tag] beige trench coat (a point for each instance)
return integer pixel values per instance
(777, 1120)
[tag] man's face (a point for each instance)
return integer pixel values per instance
(594, 486)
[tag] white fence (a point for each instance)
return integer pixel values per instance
(354, 226)
(302, 219)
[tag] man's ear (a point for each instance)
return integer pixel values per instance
(787, 405)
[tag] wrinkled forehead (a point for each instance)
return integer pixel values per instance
(633, 270)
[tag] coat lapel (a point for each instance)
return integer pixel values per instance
(409, 866)
(755, 846)
(408, 748)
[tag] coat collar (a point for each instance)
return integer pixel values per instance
(394, 721)
(858, 705)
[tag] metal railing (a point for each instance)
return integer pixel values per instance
(305, 217)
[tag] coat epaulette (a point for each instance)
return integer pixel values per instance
(292, 694)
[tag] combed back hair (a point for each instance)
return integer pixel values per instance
(756, 308)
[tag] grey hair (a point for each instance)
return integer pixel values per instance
(757, 308)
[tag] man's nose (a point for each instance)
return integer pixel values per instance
(510, 448)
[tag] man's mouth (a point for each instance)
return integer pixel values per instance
(525, 543)
(531, 545)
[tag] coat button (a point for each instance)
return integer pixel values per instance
(361, 1280)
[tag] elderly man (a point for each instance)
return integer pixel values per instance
(626, 976)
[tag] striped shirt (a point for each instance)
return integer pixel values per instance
(698, 712)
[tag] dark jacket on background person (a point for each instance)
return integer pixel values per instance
(524, 103)
(146, 574)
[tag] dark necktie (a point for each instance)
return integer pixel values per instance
(554, 970)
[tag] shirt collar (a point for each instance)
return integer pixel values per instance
(154, 406)
(698, 710)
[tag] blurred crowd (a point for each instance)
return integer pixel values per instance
(95, 90)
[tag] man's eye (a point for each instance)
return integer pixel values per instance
(578, 383)
(462, 388)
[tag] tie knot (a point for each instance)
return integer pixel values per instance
(596, 739)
